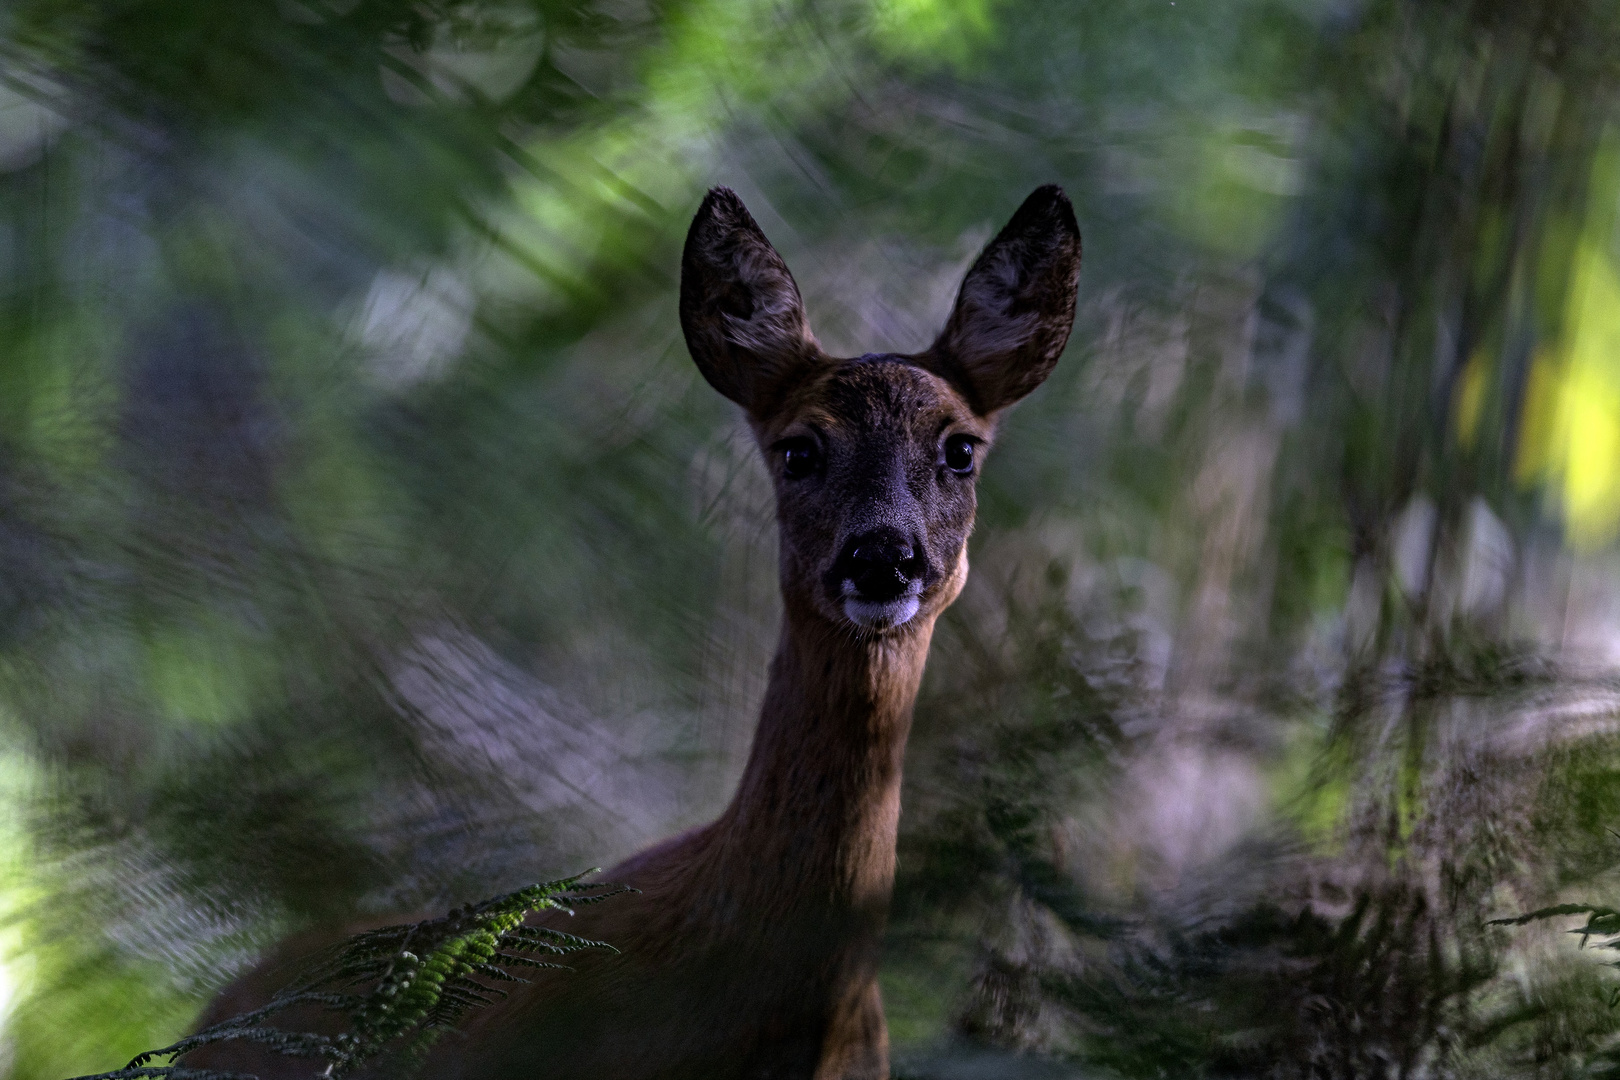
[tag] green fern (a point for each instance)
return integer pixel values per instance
(1601, 922)
(399, 987)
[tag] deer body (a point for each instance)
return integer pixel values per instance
(751, 950)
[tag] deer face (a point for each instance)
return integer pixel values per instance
(875, 458)
(874, 464)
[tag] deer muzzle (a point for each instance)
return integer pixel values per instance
(880, 575)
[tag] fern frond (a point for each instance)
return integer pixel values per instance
(399, 987)
(1600, 921)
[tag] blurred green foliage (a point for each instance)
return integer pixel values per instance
(368, 541)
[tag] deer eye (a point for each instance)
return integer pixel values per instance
(799, 457)
(959, 454)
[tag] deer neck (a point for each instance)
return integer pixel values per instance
(816, 814)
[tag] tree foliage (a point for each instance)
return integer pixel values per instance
(367, 540)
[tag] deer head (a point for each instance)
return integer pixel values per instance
(875, 458)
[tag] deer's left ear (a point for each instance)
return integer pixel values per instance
(1016, 306)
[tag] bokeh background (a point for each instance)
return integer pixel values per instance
(369, 543)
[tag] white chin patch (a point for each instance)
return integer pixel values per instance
(881, 616)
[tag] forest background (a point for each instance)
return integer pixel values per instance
(368, 541)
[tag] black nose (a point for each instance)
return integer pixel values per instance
(882, 564)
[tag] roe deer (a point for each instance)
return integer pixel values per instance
(751, 950)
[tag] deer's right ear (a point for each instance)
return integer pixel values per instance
(740, 310)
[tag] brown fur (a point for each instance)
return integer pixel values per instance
(752, 949)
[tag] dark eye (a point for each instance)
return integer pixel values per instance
(799, 458)
(959, 454)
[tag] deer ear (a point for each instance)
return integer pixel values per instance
(740, 310)
(1016, 306)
